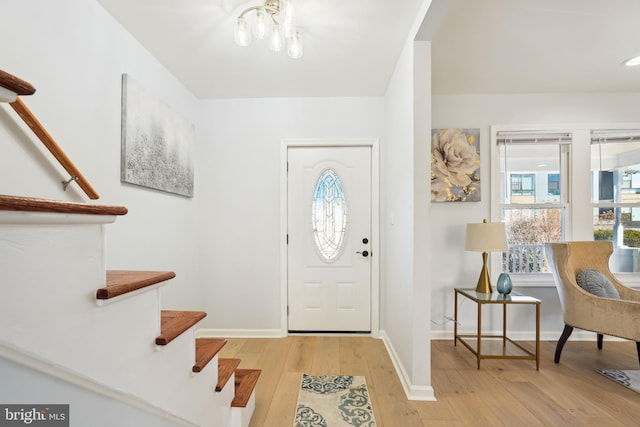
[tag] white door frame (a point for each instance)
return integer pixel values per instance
(375, 222)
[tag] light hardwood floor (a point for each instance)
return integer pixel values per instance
(501, 393)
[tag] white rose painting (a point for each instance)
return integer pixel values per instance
(455, 165)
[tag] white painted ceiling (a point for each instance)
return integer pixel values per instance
(352, 46)
(529, 46)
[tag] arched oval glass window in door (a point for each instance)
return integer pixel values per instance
(329, 215)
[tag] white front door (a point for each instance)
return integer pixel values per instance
(329, 238)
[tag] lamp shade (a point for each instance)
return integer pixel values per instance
(486, 237)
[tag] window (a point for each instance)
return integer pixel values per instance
(615, 177)
(631, 181)
(329, 215)
(532, 202)
(553, 184)
(522, 185)
(586, 186)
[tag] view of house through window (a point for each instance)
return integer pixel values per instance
(522, 188)
(615, 172)
(533, 202)
(535, 177)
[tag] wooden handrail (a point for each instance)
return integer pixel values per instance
(16, 87)
(48, 141)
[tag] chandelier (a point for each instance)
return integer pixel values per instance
(275, 19)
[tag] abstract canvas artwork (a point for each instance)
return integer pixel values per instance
(157, 142)
(455, 165)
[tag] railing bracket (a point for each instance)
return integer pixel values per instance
(65, 184)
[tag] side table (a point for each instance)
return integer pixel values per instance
(496, 346)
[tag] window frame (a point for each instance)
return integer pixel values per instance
(557, 187)
(619, 136)
(579, 217)
(562, 139)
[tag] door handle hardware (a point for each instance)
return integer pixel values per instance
(364, 253)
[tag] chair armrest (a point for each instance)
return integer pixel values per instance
(617, 317)
(626, 293)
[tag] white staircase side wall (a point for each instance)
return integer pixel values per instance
(224, 397)
(23, 386)
(51, 268)
(178, 389)
(241, 417)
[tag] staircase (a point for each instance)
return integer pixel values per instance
(73, 319)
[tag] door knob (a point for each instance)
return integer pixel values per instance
(364, 253)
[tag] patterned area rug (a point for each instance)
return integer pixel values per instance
(333, 401)
(629, 379)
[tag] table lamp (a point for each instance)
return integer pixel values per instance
(486, 237)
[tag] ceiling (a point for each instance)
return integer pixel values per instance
(351, 47)
(529, 46)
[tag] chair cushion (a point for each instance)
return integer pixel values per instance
(595, 282)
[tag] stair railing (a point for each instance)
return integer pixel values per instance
(10, 89)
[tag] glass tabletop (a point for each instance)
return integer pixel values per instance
(497, 298)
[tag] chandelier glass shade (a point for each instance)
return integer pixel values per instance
(274, 19)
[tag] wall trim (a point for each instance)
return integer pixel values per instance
(413, 392)
(239, 333)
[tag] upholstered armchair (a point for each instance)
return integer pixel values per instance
(604, 315)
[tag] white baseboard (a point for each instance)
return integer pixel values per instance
(239, 333)
(413, 392)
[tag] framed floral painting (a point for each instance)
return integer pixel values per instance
(455, 165)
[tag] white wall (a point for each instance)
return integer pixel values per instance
(239, 196)
(405, 292)
(397, 210)
(24, 386)
(422, 266)
(461, 268)
(223, 243)
(74, 53)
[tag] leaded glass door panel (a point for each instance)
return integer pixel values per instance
(329, 231)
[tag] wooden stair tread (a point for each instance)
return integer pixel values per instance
(120, 282)
(246, 380)
(226, 368)
(206, 349)
(15, 84)
(30, 204)
(174, 322)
